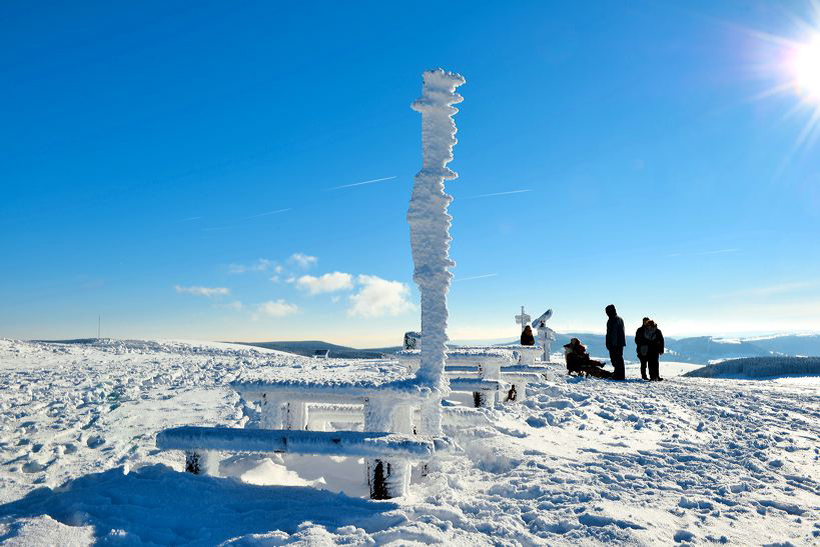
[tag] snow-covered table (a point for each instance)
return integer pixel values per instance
(491, 373)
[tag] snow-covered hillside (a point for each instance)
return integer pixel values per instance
(581, 461)
(760, 367)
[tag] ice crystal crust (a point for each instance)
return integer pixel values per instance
(428, 218)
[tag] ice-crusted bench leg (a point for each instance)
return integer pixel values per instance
(271, 413)
(201, 462)
(402, 420)
(193, 462)
(297, 415)
(387, 478)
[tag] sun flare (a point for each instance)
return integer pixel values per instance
(805, 67)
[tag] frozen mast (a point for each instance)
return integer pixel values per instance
(428, 218)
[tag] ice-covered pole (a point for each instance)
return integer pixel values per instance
(428, 218)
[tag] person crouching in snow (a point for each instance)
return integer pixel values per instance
(578, 361)
(653, 339)
(527, 339)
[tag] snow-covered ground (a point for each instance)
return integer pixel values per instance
(581, 461)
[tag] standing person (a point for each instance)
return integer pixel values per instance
(653, 338)
(615, 342)
(527, 338)
(641, 347)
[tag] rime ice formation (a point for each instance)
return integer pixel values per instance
(546, 335)
(429, 221)
(522, 319)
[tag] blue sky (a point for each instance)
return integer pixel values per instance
(174, 167)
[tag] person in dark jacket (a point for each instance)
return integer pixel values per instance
(527, 338)
(653, 338)
(615, 342)
(640, 344)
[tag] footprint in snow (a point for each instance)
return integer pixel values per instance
(683, 535)
(33, 466)
(94, 441)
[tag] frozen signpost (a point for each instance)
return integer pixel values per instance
(401, 419)
(522, 319)
(546, 336)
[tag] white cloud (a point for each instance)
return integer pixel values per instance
(261, 265)
(278, 308)
(329, 282)
(235, 305)
(379, 297)
(203, 291)
(303, 260)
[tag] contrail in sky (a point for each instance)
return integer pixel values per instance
(218, 228)
(474, 277)
(720, 251)
(361, 183)
(498, 194)
(268, 213)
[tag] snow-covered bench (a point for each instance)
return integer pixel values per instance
(389, 453)
(489, 389)
(502, 367)
(391, 414)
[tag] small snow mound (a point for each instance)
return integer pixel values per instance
(601, 520)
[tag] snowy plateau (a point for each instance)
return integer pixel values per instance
(690, 460)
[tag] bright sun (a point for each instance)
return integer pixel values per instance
(806, 68)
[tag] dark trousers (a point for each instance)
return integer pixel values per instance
(616, 355)
(643, 367)
(654, 365)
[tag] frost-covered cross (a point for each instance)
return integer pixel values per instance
(522, 319)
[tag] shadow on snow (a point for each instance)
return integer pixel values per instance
(155, 504)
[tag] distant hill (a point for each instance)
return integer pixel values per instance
(703, 349)
(700, 349)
